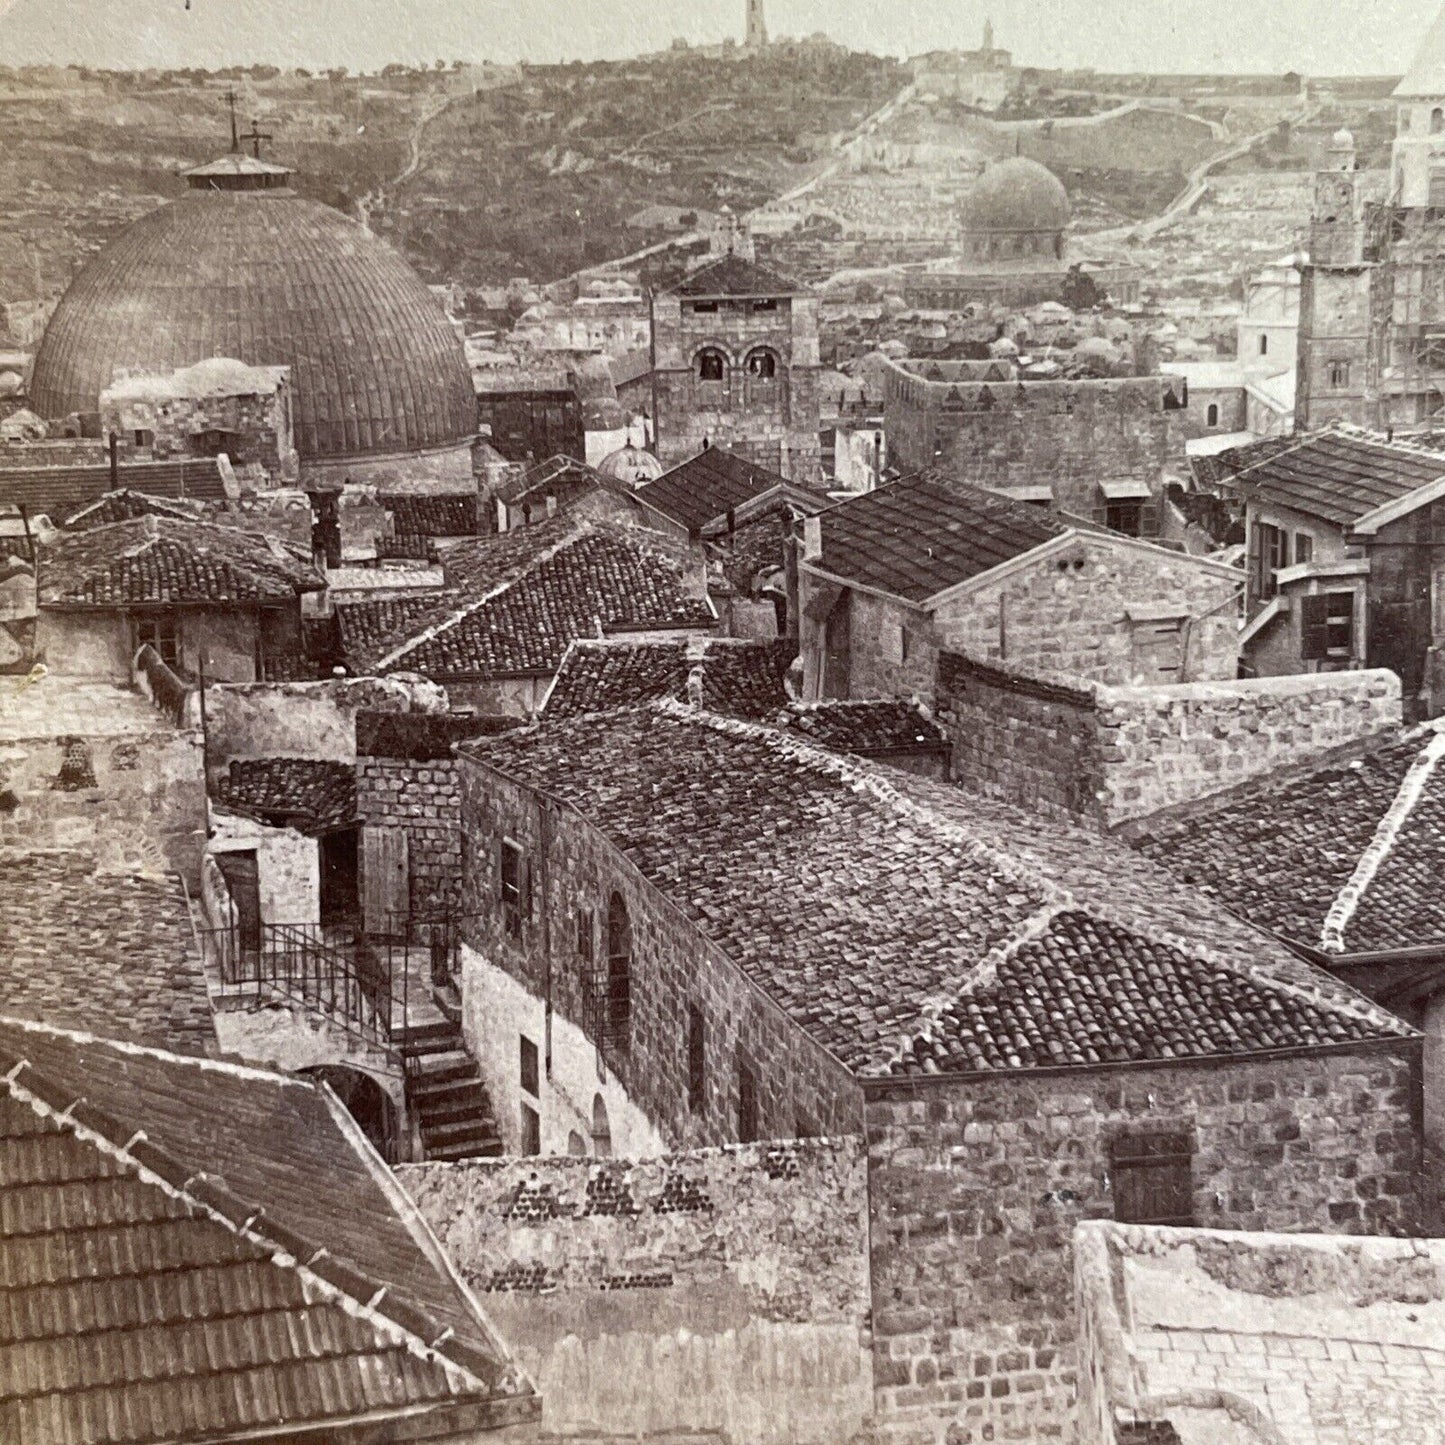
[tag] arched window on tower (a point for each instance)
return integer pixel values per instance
(617, 996)
(1264, 344)
(1437, 121)
(712, 365)
(762, 364)
(1211, 415)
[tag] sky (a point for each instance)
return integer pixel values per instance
(1319, 37)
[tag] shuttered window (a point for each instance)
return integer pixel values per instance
(1153, 1177)
(1327, 627)
(513, 870)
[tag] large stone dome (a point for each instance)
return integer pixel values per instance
(1016, 196)
(243, 267)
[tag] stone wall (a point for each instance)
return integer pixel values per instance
(1115, 754)
(305, 719)
(1069, 434)
(801, 1089)
(722, 1291)
(288, 865)
(976, 1185)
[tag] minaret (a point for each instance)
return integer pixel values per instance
(757, 26)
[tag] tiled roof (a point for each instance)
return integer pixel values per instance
(739, 679)
(561, 582)
(60, 491)
(917, 537)
(759, 545)
(870, 902)
(735, 276)
(864, 727)
(126, 505)
(197, 1251)
(97, 950)
(705, 488)
(562, 477)
(431, 516)
(310, 794)
(1337, 475)
(1282, 852)
(153, 560)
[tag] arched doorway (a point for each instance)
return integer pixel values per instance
(601, 1129)
(365, 1100)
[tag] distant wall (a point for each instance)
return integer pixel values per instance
(304, 719)
(1115, 754)
(723, 1290)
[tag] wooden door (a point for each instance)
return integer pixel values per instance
(1153, 1178)
(385, 878)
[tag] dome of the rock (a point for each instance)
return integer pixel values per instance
(1016, 196)
(242, 266)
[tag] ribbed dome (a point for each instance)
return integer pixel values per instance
(274, 280)
(1017, 195)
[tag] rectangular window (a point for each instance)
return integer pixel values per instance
(163, 634)
(1153, 1177)
(1125, 517)
(705, 308)
(512, 870)
(529, 1066)
(1272, 554)
(1327, 627)
(144, 438)
(1158, 651)
(696, 1061)
(747, 1102)
(1304, 547)
(531, 1130)
(1339, 373)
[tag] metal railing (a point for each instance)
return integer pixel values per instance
(335, 972)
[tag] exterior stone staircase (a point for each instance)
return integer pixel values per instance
(446, 1095)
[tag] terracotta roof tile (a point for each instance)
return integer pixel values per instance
(154, 560)
(60, 491)
(310, 794)
(99, 950)
(869, 901)
(126, 505)
(884, 725)
(917, 537)
(424, 515)
(133, 1312)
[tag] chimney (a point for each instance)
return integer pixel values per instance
(812, 538)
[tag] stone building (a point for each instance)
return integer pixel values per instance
(1099, 449)
(1344, 569)
(209, 600)
(216, 407)
(1012, 247)
(890, 579)
(735, 364)
(380, 387)
(1277, 1339)
(1372, 325)
(677, 924)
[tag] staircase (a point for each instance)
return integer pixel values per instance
(446, 1095)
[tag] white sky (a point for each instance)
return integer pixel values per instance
(1314, 36)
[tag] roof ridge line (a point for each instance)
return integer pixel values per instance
(573, 534)
(1387, 832)
(932, 1009)
(280, 1240)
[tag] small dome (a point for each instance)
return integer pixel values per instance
(1342, 140)
(11, 383)
(633, 466)
(1016, 195)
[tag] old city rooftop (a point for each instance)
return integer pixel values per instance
(919, 537)
(704, 491)
(1344, 860)
(313, 795)
(173, 1272)
(1342, 475)
(912, 928)
(514, 603)
(156, 560)
(735, 277)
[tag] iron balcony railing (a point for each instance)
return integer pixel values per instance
(333, 972)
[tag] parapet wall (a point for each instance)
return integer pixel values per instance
(721, 1290)
(1114, 754)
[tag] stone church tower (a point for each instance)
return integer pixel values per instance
(1372, 297)
(757, 26)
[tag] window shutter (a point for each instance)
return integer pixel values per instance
(1314, 628)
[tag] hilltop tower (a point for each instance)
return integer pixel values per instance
(757, 26)
(988, 35)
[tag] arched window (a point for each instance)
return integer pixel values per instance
(1211, 416)
(1437, 121)
(601, 1129)
(712, 365)
(1264, 345)
(762, 364)
(617, 1002)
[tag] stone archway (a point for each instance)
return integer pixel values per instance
(365, 1100)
